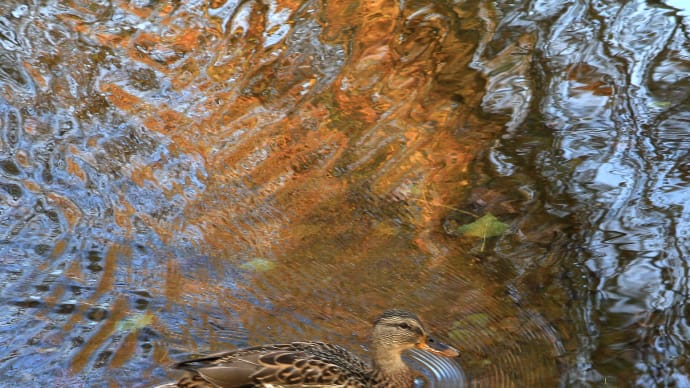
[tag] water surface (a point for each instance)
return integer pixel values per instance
(182, 178)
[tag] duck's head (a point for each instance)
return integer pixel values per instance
(396, 331)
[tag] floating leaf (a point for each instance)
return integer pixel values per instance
(486, 226)
(478, 319)
(135, 322)
(259, 265)
(461, 335)
(661, 104)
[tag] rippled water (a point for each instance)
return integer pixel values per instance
(614, 84)
(182, 177)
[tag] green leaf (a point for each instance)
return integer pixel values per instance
(486, 226)
(259, 265)
(135, 322)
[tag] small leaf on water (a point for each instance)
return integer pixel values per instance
(135, 322)
(486, 226)
(259, 265)
(461, 335)
(478, 319)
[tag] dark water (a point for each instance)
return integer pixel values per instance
(613, 101)
(185, 177)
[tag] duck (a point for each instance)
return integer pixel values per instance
(318, 364)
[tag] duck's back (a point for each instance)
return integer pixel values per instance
(297, 364)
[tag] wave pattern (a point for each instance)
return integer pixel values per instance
(182, 177)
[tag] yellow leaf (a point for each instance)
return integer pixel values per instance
(486, 226)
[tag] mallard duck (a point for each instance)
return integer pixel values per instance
(318, 364)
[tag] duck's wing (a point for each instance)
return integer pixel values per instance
(294, 364)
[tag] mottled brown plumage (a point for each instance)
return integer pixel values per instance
(318, 364)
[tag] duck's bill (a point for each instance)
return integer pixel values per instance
(433, 346)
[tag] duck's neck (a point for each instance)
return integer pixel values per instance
(389, 366)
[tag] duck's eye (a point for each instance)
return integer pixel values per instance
(405, 326)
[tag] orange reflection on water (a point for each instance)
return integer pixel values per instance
(331, 140)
